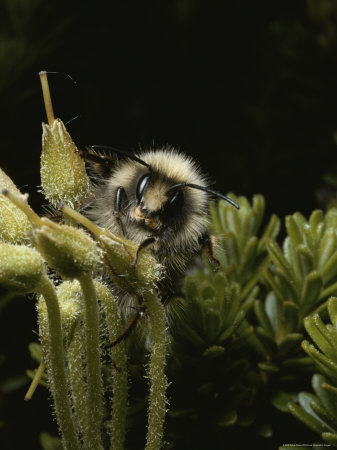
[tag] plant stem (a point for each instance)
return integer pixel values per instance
(119, 380)
(157, 402)
(57, 366)
(35, 381)
(46, 97)
(94, 381)
(77, 381)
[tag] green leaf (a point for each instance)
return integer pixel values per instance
(49, 442)
(310, 293)
(13, 383)
(212, 325)
(232, 300)
(281, 262)
(332, 308)
(305, 417)
(300, 220)
(281, 399)
(265, 430)
(268, 367)
(248, 255)
(306, 260)
(214, 351)
(290, 313)
(329, 270)
(231, 329)
(207, 291)
(258, 207)
(246, 420)
(331, 218)
(273, 284)
(326, 248)
(191, 288)
(271, 232)
(289, 342)
(323, 415)
(263, 317)
(315, 223)
(327, 398)
(231, 247)
(291, 255)
(273, 310)
(293, 230)
(320, 335)
(330, 438)
(191, 335)
(288, 289)
(35, 351)
(228, 419)
(324, 364)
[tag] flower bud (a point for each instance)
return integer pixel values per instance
(70, 251)
(69, 296)
(21, 268)
(15, 227)
(63, 175)
(118, 258)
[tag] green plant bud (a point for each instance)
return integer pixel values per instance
(70, 251)
(119, 258)
(21, 268)
(69, 296)
(63, 175)
(15, 227)
(119, 255)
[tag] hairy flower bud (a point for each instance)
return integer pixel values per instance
(70, 251)
(15, 227)
(69, 296)
(119, 256)
(21, 268)
(63, 175)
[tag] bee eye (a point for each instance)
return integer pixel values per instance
(141, 186)
(174, 203)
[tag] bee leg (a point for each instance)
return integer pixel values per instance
(207, 242)
(128, 327)
(146, 243)
(117, 207)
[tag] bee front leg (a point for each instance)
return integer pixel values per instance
(129, 327)
(120, 193)
(145, 244)
(207, 242)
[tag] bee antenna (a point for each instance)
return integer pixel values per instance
(121, 152)
(205, 189)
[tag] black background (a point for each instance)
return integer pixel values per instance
(248, 88)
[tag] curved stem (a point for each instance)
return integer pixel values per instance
(94, 381)
(156, 372)
(57, 369)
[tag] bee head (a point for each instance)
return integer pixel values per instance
(157, 205)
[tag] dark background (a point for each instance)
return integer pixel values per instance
(248, 88)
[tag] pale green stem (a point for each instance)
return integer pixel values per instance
(46, 97)
(77, 381)
(156, 372)
(119, 380)
(92, 352)
(57, 369)
(35, 382)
